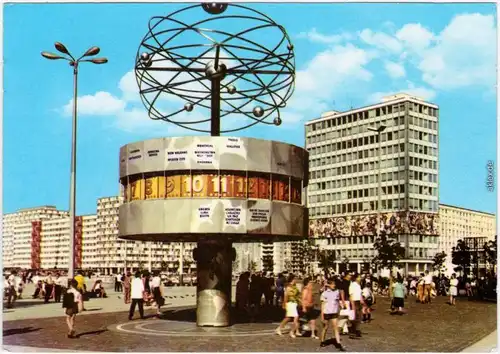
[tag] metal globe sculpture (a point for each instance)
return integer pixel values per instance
(236, 61)
(214, 68)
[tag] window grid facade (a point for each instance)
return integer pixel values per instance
(344, 157)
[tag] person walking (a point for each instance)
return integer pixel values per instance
(81, 287)
(72, 304)
(126, 288)
(58, 287)
(420, 289)
(49, 287)
(344, 321)
(356, 299)
(157, 293)
(19, 286)
(280, 289)
(427, 287)
(308, 306)
(369, 300)
(137, 292)
(453, 289)
(290, 305)
(10, 289)
(413, 287)
(242, 293)
(399, 296)
(330, 308)
(118, 283)
(269, 289)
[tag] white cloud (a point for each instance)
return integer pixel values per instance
(128, 87)
(314, 36)
(415, 37)
(322, 75)
(100, 104)
(331, 72)
(465, 54)
(381, 40)
(395, 70)
(421, 92)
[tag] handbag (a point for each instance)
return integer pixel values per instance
(344, 313)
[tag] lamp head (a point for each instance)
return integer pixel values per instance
(51, 56)
(61, 48)
(92, 51)
(99, 60)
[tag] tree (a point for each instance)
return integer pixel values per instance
(490, 253)
(252, 266)
(164, 265)
(389, 253)
(235, 263)
(141, 265)
(460, 256)
(326, 260)
(346, 264)
(438, 261)
(268, 263)
(310, 254)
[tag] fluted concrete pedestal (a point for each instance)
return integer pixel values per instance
(213, 294)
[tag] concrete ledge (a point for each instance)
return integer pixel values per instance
(20, 349)
(486, 345)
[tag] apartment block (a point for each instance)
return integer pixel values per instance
(457, 223)
(17, 233)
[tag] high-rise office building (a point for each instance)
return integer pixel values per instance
(343, 191)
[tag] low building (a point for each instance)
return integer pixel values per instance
(458, 223)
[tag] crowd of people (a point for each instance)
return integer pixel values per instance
(339, 303)
(49, 286)
(142, 289)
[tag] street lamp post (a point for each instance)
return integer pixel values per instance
(379, 131)
(72, 189)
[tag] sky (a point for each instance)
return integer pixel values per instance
(346, 55)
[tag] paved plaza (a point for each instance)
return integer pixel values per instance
(104, 327)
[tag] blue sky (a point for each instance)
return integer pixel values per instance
(346, 55)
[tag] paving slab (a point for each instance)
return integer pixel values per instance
(435, 327)
(35, 308)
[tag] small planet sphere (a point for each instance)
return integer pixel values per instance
(231, 89)
(258, 111)
(277, 121)
(188, 106)
(290, 46)
(145, 56)
(214, 8)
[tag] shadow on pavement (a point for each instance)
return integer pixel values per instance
(264, 315)
(93, 309)
(30, 303)
(10, 332)
(91, 333)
